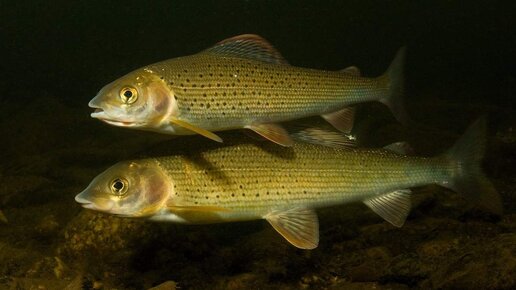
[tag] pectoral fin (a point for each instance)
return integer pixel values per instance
(273, 132)
(394, 206)
(299, 226)
(201, 214)
(174, 207)
(198, 208)
(196, 129)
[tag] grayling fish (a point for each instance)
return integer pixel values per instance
(284, 185)
(241, 82)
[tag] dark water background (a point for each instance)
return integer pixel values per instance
(56, 55)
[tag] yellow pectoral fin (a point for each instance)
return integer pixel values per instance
(196, 129)
(201, 208)
(199, 214)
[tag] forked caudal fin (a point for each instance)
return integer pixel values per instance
(468, 177)
(395, 79)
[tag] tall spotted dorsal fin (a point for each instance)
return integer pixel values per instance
(249, 46)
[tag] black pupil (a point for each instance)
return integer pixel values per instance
(118, 185)
(128, 94)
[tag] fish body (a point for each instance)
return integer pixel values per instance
(284, 185)
(241, 82)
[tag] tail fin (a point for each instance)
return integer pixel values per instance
(468, 178)
(395, 78)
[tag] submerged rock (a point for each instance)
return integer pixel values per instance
(104, 235)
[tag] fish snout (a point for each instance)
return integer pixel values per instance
(94, 203)
(95, 103)
(81, 200)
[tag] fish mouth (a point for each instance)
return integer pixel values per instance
(100, 114)
(98, 205)
(84, 202)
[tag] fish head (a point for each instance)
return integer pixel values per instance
(140, 99)
(130, 188)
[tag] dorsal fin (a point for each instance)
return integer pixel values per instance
(249, 46)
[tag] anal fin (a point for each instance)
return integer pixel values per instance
(342, 120)
(324, 137)
(394, 206)
(351, 70)
(299, 226)
(402, 148)
(273, 132)
(196, 129)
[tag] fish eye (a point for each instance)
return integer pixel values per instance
(128, 95)
(119, 187)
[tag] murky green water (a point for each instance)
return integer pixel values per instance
(57, 54)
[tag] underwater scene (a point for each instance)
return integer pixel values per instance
(258, 144)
